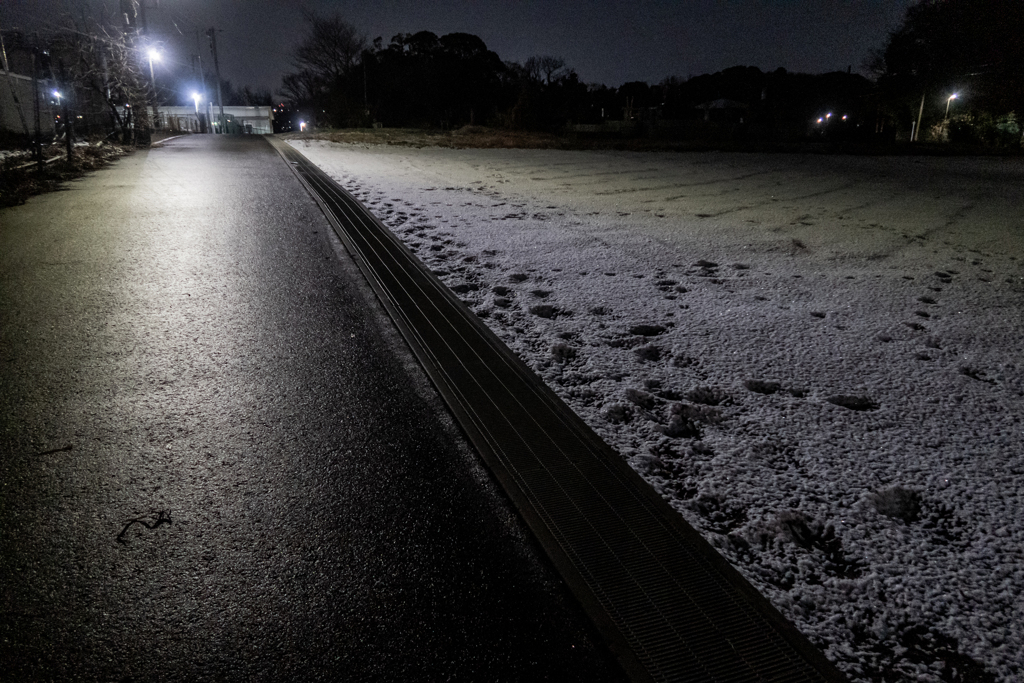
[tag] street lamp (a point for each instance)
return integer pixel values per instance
(948, 102)
(154, 55)
(195, 98)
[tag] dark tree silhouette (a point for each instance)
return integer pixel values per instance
(972, 47)
(330, 49)
(421, 79)
(326, 60)
(544, 67)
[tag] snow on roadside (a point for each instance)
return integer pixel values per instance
(817, 361)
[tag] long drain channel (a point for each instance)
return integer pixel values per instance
(670, 607)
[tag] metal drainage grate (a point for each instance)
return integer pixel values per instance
(670, 606)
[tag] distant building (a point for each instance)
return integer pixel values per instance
(251, 120)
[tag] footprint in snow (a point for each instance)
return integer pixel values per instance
(546, 311)
(859, 403)
(648, 352)
(762, 387)
(975, 374)
(647, 330)
(709, 396)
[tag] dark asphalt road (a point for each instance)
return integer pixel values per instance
(185, 322)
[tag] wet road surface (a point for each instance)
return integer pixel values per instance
(185, 323)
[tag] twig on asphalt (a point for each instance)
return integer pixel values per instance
(57, 450)
(163, 517)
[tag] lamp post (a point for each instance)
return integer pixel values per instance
(154, 55)
(948, 102)
(199, 123)
(65, 115)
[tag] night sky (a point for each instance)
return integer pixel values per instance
(604, 41)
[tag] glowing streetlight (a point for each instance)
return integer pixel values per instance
(948, 102)
(302, 125)
(195, 98)
(56, 93)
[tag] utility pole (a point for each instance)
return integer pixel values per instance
(212, 32)
(69, 130)
(152, 79)
(35, 108)
(920, 113)
(202, 77)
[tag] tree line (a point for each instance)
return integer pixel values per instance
(971, 47)
(954, 70)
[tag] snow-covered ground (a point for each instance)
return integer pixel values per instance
(818, 360)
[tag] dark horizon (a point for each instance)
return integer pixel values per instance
(655, 41)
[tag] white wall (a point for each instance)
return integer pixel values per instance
(22, 85)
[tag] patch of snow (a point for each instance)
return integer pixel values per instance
(816, 360)
(6, 154)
